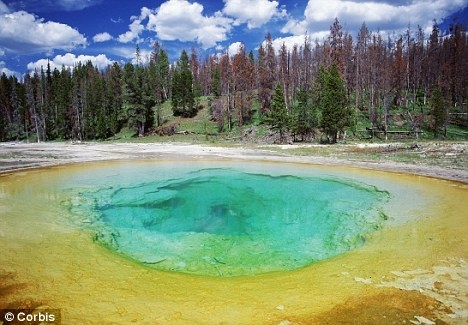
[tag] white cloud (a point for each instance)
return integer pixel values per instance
(3, 8)
(383, 15)
(22, 32)
(135, 30)
(136, 27)
(102, 37)
(124, 51)
(130, 54)
(233, 49)
(184, 21)
(253, 12)
(8, 72)
(69, 60)
(298, 40)
(354, 11)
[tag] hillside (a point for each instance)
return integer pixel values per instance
(202, 128)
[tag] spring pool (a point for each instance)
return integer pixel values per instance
(225, 220)
(233, 241)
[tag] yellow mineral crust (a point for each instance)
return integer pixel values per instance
(413, 271)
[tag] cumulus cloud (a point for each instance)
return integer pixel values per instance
(136, 27)
(69, 60)
(383, 15)
(184, 21)
(371, 11)
(102, 37)
(22, 32)
(253, 12)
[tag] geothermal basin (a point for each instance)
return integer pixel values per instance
(232, 241)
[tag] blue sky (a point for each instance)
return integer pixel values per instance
(104, 31)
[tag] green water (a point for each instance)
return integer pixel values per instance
(224, 220)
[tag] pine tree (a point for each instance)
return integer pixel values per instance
(115, 116)
(137, 99)
(5, 120)
(306, 116)
(216, 82)
(76, 114)
(278, 117)
(94, 92)
(183, 99)
(195, 69)
(62, 86)
(158, 75)
(332, 101)
(162, 65)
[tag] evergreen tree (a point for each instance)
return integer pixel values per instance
(332, 101)
(183, 100)
(216, 82)
(36, 105)
(158, 70)
(137, 100)
(162, 65)
(61, 101)
(278, 117)
(306, 116)
(31, 103)
(100, 115)
(76, 114)
(115, 116)
(46, 102)
(5, 120)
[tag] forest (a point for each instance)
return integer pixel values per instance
(314, 90)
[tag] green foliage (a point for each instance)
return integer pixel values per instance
(306, 117)
(216, 82)
(278, 118)
(332, 101)
(183, 99)
(158, 78)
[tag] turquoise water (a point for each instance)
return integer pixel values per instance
(229, 220)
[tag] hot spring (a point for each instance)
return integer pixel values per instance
(226, 221)
(235, 241)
